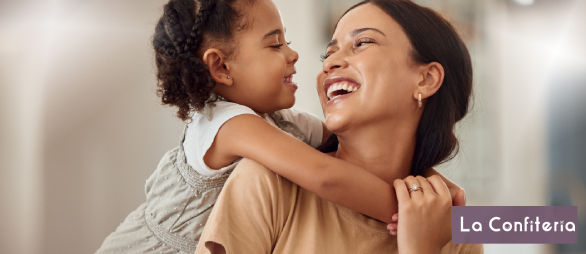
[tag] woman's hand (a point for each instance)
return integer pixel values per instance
(425, 215)
(458, 199)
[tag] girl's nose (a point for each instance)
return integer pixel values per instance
(292, 57)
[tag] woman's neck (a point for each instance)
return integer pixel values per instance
(385, 150)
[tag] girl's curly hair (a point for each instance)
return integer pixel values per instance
(186, 25)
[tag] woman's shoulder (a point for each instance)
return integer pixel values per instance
(254, 179)
(249, 168)
(248, 171)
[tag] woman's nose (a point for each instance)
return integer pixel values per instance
(334, 62)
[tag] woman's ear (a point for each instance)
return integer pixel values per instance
(433, 77)
(215, 59)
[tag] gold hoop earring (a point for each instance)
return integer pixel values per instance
(419, 101)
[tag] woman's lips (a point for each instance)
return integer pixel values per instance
(341, 88)
(337, 88)
(337, 99)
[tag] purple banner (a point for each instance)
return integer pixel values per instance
(515, 224)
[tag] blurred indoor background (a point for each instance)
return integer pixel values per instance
(81, 127)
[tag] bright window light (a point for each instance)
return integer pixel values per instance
(525, 2)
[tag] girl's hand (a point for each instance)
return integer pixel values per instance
(459, 199)
(425, 215)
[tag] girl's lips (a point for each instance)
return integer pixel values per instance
(293, 85)
(289, 82)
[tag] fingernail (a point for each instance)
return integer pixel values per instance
(464, 194)
(391, 228)
(393, 233)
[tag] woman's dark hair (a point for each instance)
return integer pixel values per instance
(433, 39)
(186, 25)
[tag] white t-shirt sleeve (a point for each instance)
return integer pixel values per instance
(310, 125)
(202, 131)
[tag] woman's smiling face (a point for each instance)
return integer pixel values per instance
(368, 74)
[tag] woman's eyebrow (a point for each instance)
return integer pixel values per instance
(361, 30)
(332, 43)
(354, 33)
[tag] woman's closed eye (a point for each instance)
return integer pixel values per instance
(325, 56)
(363, 41)
(359, 43)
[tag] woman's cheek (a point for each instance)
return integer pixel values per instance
(320, 90)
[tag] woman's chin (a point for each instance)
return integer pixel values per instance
(336, 123)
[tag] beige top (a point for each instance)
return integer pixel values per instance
(262, 212)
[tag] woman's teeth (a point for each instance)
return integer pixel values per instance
(288, 79)
(341, 88)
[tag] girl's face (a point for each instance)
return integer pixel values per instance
(368, 75)
(263, 65)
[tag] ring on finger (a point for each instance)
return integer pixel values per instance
(415, 187)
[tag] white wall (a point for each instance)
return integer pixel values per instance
(504, 155)
(81, 127)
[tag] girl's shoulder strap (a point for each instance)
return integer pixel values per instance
(288, 126)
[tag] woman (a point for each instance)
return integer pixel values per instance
(412, 80)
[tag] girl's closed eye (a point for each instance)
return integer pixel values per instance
(278, 46)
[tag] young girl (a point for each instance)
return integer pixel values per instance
(225, 65)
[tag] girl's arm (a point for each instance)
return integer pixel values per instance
(333, 179)
(454, 188)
